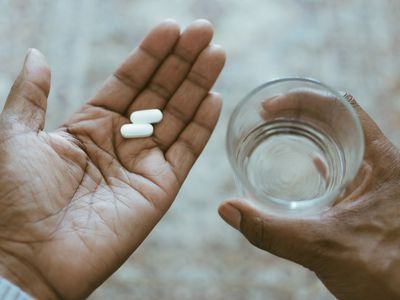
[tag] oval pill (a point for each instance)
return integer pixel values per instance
(136, 130)
(146, 116)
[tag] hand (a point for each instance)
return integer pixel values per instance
(354, 246)
(75, 203)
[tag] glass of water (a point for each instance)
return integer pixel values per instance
(295, 145)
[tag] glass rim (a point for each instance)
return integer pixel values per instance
(303, 204)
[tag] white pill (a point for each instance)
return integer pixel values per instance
(147, 116)
(136, 130)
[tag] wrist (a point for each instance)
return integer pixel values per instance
(26, 277)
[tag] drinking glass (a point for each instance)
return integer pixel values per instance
(294, 144)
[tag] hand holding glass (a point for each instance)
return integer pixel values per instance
(295, 145)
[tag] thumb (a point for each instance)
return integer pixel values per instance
(289, 238)
(27, 101)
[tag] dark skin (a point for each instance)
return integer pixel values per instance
(77, 202)
(354, 247)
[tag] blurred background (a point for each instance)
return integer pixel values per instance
(351, 45)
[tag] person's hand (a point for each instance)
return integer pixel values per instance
(75, 203)
(354, 247)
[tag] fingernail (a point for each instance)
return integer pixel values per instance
(231, 215)
(217, 47)
(33, 60)
(30, 57)
(27, 55)
(203, 21)
(170, 20)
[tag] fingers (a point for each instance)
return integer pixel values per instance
(287, 238)
(190, 143)
(133, 74)
(323, 107)
(175, 68)
(27, 101)
(298, 103)
(371, 129)
(183, 105)
(358, 187)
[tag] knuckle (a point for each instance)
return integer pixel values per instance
(258, 235)
(258, 232)
(33, 93)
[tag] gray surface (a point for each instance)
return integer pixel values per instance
(9, 291)
(349, 44)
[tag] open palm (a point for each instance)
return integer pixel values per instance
(75, 203)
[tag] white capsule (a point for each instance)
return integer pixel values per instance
(146, 116)
(136, 130)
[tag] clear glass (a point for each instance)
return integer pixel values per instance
(294, 145)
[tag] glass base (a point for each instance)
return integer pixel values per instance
(291, 165)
